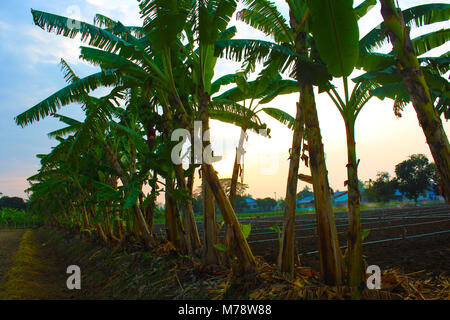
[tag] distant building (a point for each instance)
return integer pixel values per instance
(280, 205)
(428, 195)
(340, 198)
(306, 202)
(250, 203)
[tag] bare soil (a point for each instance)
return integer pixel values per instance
(428, 249)
(32, 271)
(9, 242)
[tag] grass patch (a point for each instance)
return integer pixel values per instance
(32, 274)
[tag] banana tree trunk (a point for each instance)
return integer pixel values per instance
(211, 256)
(149, 217)
(287, 246)
(354, 241)
(85, 217)
(332, 269)
(191, 232)
(419, 92)
(172, 219)
(330, 253)
(236, 168)
(102, 234)
(239, 246)
(149, 240)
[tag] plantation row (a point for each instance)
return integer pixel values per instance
(268, 230)
(161, 78)
(14, 217)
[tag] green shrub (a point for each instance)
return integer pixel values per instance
(14, 216)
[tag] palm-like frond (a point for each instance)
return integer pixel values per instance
(363, 8)
(95, 36)
(222, 81)
(419, 16)
(135, 136)
(258, 50)
(63, 132)
(218, 105)
(283, 117)
(264, 16)
(382, 75)
(372, 60)
(439, 65)
(164, 20)
(361, 94)
(426, 14)
(237, 120)
(431, 40)
(284, 87)
(395, 91)
(74, 92)
(279, 57)
(104, 21)
(69, 75)
(213, 18)
(110, 60)
(73, 126)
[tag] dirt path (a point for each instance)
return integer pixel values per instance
(9, 243)
(34, 273)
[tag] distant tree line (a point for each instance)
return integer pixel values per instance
(12, 203)
(413, 177)
(241, 205)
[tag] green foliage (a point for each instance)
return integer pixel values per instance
(246, 229)
(221, 247)
(264, 16)
(277, 229)
(280, 115)
(414, 176)
(415, 16)
(266, 204)
(336, 34)
(364, 234)
(13, 216)
(364, 7)
(12, 203)
(74, 92)
(306, 192)
(382, 189)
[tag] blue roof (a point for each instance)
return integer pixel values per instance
(306, 200)
(343, 196)
(427, 192)
(249, 200)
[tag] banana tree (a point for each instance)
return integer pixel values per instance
(97, 111)
(349, 108)
(209, 24)
(398, 23)
(337, 41)
(257, 93)
(292, 51)
(119, 48)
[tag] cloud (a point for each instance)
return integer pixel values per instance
(44, 47)
(126, 12)
(4, 26)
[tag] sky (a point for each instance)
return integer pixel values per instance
(30, 71)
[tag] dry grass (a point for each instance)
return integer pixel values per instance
(32, 274)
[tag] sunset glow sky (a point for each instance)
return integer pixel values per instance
(29, 61)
